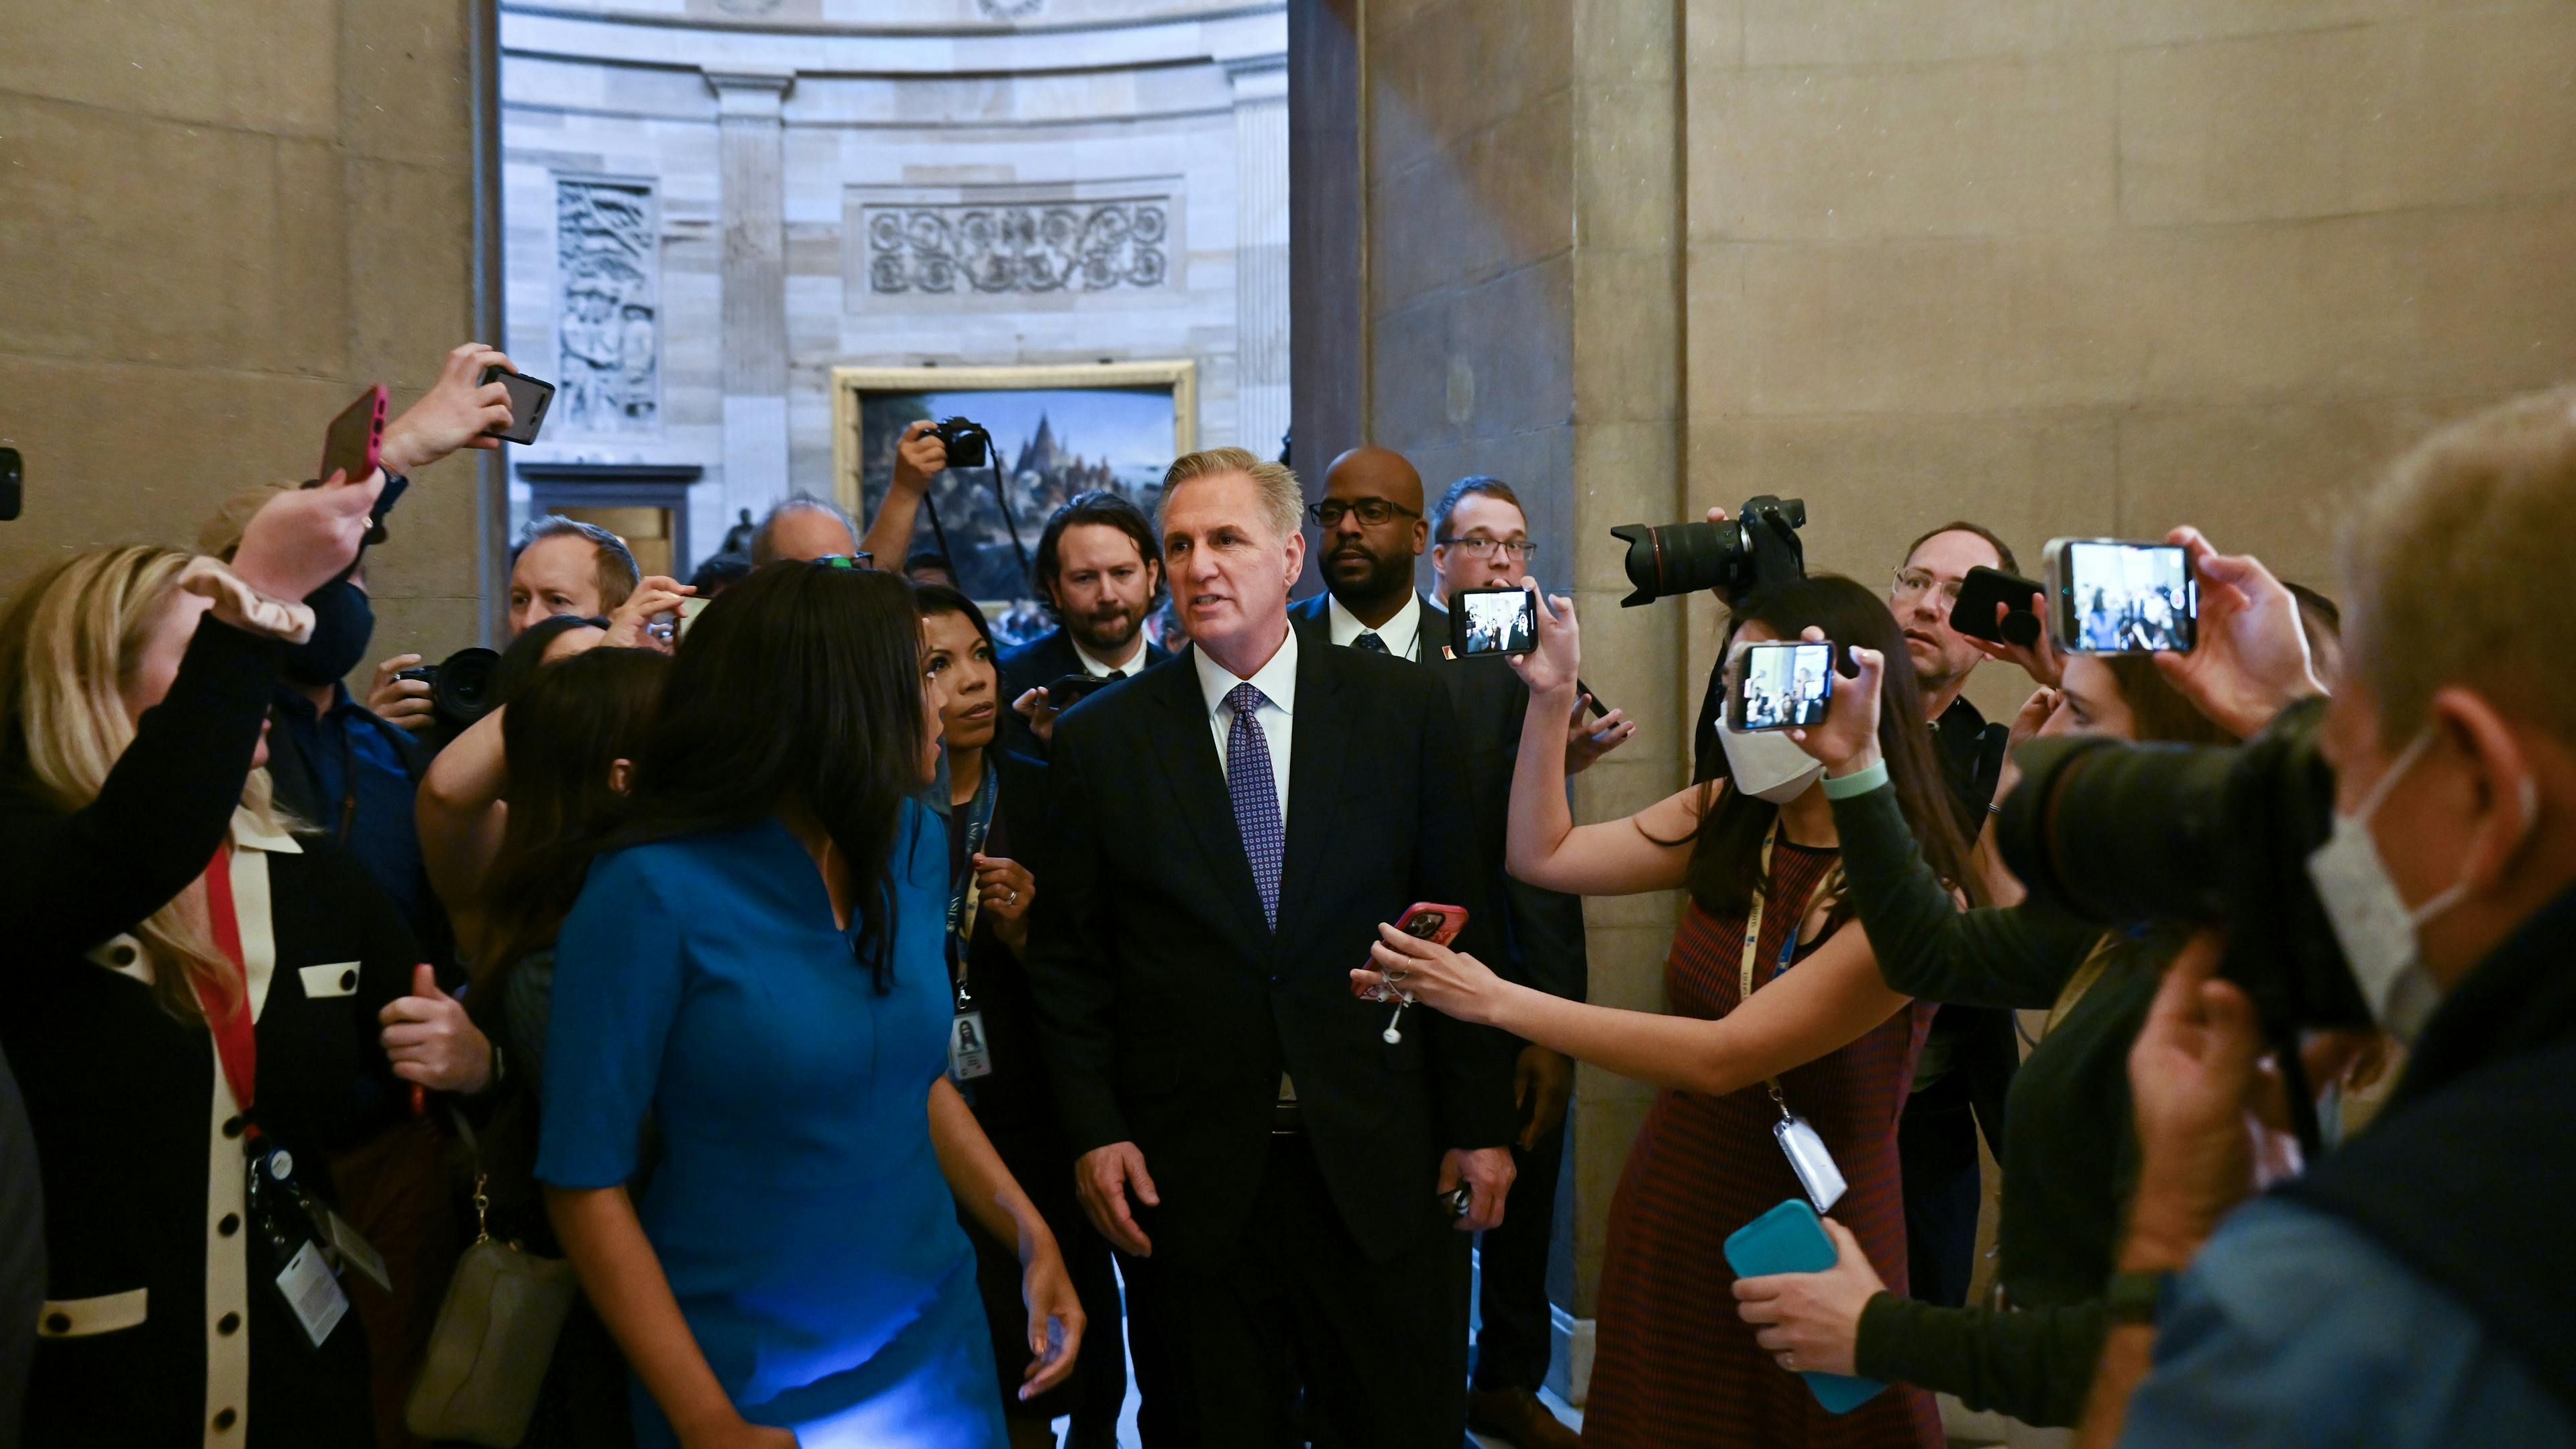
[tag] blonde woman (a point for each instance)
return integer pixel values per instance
(194, 997)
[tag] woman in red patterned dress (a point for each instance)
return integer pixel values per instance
(1756, 849)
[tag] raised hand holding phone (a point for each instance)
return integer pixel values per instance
(1552, 665)
(305, 537)
(453, 414)
(1847, 742)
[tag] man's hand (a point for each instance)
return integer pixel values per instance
(2249, 657)
(2192, 1079)
(1542, 1083)
(1847, 742)
(918, 457)
(431, 1041)
(1102, 1179)
(2040, 661)
(628, 624)
(1583, 746)
(1488, 1172)
(1810, 1322)
(453, 414)
(1034, 708)
(403, 702)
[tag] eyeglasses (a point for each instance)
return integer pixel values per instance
(1908, 584)
(1373, 512)
(846, 561)
(1478, 546)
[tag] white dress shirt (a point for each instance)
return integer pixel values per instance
(1102, 668)
(1277, 681)
(1402, 635)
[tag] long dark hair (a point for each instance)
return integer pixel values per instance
(566, 726)
(1726, 849)
(802, 682)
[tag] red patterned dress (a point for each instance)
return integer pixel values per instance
(1675, 1365)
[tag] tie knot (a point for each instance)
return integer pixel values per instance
(1245, 698)
(1369, 641)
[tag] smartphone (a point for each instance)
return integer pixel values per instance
(1492, 621)
(686, 614)
(1429, 920)
(1980, 591)
(351, 444)
(13, 483)
(1781, 686)
(1071, 690)
(529, 399)
(1790, 1239)
(2113, 597)
(1592, 701)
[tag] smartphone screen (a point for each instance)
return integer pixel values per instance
(350, 445)
(529, 399)
(2122, 598)
(1782, 686)
(686, 614)
(1493, 621)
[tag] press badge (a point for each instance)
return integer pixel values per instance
(313, 1293)
(968, 1056)
(1809, 1159)
(355, 1250)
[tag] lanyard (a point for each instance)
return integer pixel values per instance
(236, 1043)
(1789, 939)
(2076, 985)
(961, 920)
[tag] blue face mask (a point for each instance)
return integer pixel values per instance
(343, 623)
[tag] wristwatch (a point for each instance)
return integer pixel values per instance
(2136, 1297)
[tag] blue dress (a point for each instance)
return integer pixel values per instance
(797, 1206)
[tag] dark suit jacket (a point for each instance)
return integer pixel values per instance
(1035, 665)
(1543, 928)
(1169, 1008)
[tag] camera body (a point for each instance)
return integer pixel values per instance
(460, 688)
(969, 446)
(1759, 545)
(2126, 834)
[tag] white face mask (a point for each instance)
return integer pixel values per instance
(1767, 764)
(2372, 922)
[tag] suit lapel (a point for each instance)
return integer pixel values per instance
(1315, 752)
(1185, 751)
(1432, 633)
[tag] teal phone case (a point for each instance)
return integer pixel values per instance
(1788, 1239)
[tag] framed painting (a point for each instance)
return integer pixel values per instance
(1057, 431)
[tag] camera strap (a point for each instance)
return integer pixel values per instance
(1799, 1141)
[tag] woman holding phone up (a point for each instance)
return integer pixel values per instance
(1757, 850)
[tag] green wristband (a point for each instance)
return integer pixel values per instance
(1847, 786)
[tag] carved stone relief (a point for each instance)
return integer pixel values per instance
(607, 307)
(1009, 9)
(1074, 246)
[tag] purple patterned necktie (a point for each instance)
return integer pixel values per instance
(1255, 790)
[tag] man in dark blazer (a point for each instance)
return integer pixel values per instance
(1228, 835)
(1098, 572)
(1483, 540)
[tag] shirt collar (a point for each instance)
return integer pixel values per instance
(299, 706)
(1102, 668)
(1400, 634)
(248, 835)
(1277, 680)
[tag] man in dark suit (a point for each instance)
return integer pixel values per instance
(1228, 835)
(1098, 572)
(1483, 541)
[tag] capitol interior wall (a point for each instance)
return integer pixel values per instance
(219, 221)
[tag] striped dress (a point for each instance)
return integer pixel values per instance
(1676, 1366)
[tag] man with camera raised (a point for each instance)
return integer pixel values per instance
(2410, 1289)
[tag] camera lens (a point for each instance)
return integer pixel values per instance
(462, 692)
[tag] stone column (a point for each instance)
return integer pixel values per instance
(750, 159)
(1261, 319)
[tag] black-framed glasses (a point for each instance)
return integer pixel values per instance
(846, 561)
(1373, 512)
(1519, 550)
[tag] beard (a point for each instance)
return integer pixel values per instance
(1355, 573)
(1107, 630)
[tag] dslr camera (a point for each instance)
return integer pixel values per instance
(968, 444)
(460, 689)
(1758, 545)
(2128, 833)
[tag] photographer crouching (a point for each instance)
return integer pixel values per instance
(2411, 1286)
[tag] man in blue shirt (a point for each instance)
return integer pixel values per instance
(2411, 1289)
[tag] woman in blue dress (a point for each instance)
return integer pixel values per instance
(756, 970)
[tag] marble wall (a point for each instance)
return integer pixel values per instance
(223, 220)
(846, 185)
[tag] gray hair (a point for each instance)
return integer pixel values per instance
(762, 551)
(2455, 568)
(1283, 501)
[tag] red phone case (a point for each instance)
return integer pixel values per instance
(342, 447)
(1454, 920)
